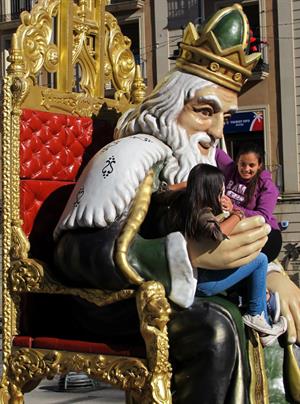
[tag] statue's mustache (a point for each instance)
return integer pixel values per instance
(201, 137)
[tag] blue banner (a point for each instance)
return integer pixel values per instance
(245, 122)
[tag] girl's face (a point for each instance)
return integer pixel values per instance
(248, 165)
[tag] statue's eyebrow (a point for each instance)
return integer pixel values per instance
(211, 100)
(215, 103)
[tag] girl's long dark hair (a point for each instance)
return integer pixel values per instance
(251, 186)
(204, 188)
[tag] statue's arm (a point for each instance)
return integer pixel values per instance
(166, 260)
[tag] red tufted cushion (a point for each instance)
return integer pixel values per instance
(76, 346)
(33, 193)
(52, 145)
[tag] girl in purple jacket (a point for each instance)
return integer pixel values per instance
(202, 217)
(251, 189)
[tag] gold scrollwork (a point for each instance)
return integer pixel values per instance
(51, 58)
(120, 57)
(154, 311)
(291, 373)
(76, 104)
(258, 384)
(34, 36)
(27, 365)
(20, 243)
(138, 91)
(26, 275)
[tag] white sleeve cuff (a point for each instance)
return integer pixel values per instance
(183, 275)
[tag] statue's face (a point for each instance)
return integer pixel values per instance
(207, 112)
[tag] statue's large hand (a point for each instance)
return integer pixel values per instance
(245, 243)
(289, 302)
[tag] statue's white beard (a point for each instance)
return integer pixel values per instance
(186, 154)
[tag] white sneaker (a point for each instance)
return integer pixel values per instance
(260, 324)
(268, 340)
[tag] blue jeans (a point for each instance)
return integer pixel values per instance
(212, 282)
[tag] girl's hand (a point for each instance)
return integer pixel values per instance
(226, 203)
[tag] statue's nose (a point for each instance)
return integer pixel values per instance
(217, 126)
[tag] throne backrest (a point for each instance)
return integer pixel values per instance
(64, 57)
(51, 151)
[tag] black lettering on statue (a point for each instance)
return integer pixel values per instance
(79, 196)
(108, 168)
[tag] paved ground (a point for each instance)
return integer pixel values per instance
(47, 393)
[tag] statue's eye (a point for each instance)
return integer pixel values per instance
(204, 111)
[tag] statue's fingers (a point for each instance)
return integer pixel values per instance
(291, 330)
(251, 236)
(243, 261)
(249, 223)
(246, 249)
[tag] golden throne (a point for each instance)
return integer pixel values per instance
(71, 73)
(65, 58)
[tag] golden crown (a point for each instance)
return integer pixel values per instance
(219, 53)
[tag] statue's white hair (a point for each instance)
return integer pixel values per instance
(157, 116)
(161, 107)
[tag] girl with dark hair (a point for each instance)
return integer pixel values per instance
(251, 189)
(204, 219)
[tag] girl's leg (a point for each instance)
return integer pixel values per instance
(256, 290)
(211, 282)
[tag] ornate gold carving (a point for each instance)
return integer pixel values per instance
(4, 394)
(28, 275)
(136, 216)
(29, 365)
(33, 49)
(258, 383)
(138, 91)
(15, 89)
(291, 373)
(80, 33)
(51, 58)
(79, 104)
(34, 36)
(237, 77)
(198, 50)
(25, 273)
(214, 67)
(20, 243)
(120, 58)
(154, 311)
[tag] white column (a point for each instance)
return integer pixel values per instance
(288, 96)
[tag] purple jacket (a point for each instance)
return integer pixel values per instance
(265, 195)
